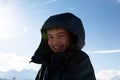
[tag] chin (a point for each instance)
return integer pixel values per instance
(58, 51)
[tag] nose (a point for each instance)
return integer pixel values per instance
(55, 40)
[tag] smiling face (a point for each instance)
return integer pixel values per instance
(58, 39)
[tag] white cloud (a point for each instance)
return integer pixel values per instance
(9, 61)
(49, 2)
(12, 33)
(72, 9)
(34, 4)
(42, 3)
(117, 1)
(107, 74)
(12, 61)
(6, 35)
(106, 51)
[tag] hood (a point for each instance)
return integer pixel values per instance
(68, 21)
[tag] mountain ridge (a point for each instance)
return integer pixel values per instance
(25, 74)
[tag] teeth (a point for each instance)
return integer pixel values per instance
(56, 47)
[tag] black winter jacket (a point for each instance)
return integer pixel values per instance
(73, 63)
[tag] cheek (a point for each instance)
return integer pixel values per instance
(49, 42)
(66, 42)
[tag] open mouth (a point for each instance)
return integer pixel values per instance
(58, 48)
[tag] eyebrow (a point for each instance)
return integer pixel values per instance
(57, 33)
(61, 33)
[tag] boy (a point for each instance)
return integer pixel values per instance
(60, 53)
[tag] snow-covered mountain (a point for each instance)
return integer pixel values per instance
(29, 75)
(19, 75)
(116, 78)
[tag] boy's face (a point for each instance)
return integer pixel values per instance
(58, 39)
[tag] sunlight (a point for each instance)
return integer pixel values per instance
(9, 20)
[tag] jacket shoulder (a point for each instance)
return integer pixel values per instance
(79, 56)
(80, 67)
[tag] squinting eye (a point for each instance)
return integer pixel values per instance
(50, 37)
(61, 35)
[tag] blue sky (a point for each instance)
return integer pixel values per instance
(21, 20)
